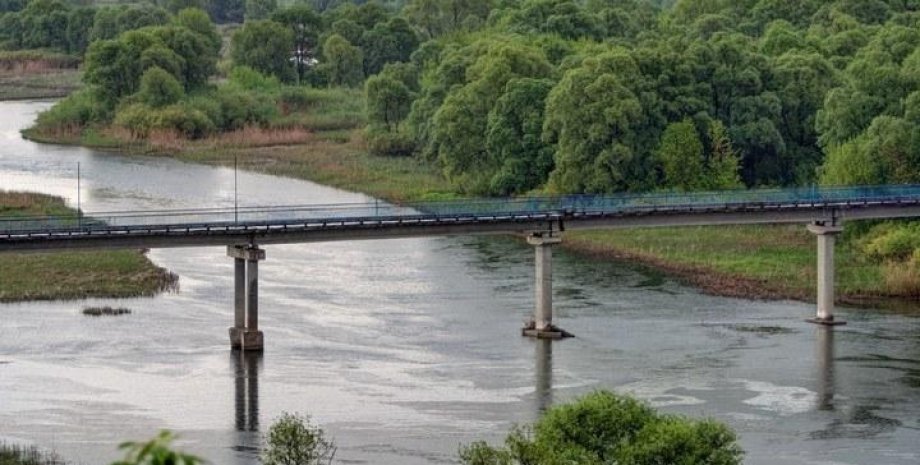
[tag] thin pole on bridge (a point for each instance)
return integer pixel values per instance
(79, 200)
(236, 198)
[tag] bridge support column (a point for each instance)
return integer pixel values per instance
(542, 324)
(245, 334)
(826, 236)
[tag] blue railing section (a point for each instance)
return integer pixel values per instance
(524, 206)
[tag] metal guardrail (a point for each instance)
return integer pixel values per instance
(523, 207)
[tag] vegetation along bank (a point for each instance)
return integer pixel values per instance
(440, 99)
(72, 275)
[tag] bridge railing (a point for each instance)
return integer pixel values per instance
(520, 206)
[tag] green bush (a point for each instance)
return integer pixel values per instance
(184, 119)
(390, 143)
(135, 118)
(159, 88)
(293, 440)
(240, 108)
(77, 110)
(246, 78)
(604, 428)
(891, 241)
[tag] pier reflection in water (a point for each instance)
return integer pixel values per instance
(824, 358)
(543, 375)
(246, 368)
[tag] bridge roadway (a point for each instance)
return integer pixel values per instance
(541, 219)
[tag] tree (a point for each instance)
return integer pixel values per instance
(460, 124)
(159, 88)
(293, 440)
(43, 23)
(197, 21)
(393, 41)
(305, 26)
(388, 101)
(681, 154)
(724, 163)
(260, 9)
(521, 159)
(79, 25)
(227, 11)
(264, 46)
(343, 62)
(602, 428)
(592, 117)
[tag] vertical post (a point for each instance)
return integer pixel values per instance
(236, 197)
(252, 294)
(542, 324)
(79, 199)
(245, 334)
(543, 312)
(239, 293)
(826, 236)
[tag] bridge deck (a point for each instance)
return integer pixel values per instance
(318, 223)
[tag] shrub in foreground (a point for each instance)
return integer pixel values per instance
(293, 440)
(604, 428)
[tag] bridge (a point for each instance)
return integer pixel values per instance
(542, 220)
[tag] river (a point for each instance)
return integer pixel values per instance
(404, 349)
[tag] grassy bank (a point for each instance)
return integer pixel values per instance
(759, 261)
(32, 74)
(72, 275)
(49, 84)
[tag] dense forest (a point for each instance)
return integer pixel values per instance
(510, 96)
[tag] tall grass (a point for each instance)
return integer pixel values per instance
(35, 61)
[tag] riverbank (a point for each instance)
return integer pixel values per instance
(72, 275)
(755, 262)
(39, 85)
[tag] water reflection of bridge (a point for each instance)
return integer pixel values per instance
(246, 367)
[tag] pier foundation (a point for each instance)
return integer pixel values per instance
(245, 334)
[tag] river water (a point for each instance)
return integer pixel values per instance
(404, 349)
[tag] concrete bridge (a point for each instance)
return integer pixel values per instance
(542, 220)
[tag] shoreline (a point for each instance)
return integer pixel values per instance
(347, 165)
(73, 275)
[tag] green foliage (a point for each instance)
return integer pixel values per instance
(246, 78)
(520, 157)
(388, 101)
(137, 118)
(342, 61)
(390, 42)
(892, 241)
(77, 110)
(305, 25)
(263, 46)
(681, 154)
(159, 88)
(183, 119)
(157, 451)
(592, 117)
(260, 9)
(602, 428)
(293, 440)
(389, 143)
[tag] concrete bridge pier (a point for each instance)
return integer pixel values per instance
(542, 325)
(245, 334)
(826, 235)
